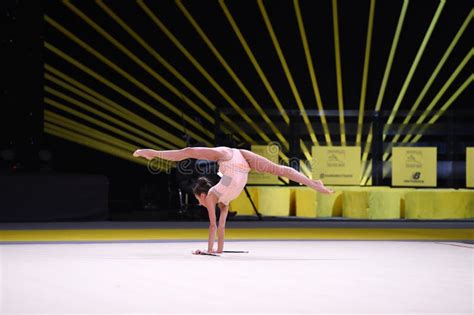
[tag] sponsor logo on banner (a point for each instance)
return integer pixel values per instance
(336, 158)
(337, 165)
(413, 159)
(414, 166)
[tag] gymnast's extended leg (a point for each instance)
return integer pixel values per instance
(214, 154)
(263, 165)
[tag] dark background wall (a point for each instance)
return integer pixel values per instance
(22, 78)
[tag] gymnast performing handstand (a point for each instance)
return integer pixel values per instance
(234, 165)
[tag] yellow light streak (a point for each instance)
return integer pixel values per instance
(312, 73)
(430, 81)
(441, 92)
(363, 90)
(340, 95)
(445, 107)
(435, 117)
(136, 82)
(233, 75)
(80, 129)
(87, 131)
(415, 63)
(77, 127)
(179, 142)
(137, 60)
(94, 111)
(199, 67)
(169, 67)
(262, 76)
(94, 144)
(287, 71)
(111, 106)
(388, 67)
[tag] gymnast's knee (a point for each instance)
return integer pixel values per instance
(187, 151)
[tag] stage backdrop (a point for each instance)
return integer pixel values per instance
(470, 167)
(270, 152)
(53, 197)
(337, 165)
(414, 166)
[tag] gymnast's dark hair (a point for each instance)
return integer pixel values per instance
(202, 186)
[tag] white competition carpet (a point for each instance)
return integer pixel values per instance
(312, 277)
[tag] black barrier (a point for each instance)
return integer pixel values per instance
(52, 197)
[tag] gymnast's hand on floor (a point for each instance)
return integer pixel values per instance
(203, 252)
(206, 252)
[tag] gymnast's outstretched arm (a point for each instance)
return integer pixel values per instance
(211, 202)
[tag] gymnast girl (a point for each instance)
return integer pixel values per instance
(234, 165)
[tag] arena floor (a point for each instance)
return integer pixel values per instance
(320, 277)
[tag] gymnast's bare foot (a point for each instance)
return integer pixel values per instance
(319, 186)
(144, 153)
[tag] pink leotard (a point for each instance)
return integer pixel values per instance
(234, 177)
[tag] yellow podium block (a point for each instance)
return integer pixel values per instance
(383, 205)
(471, 204)
(453, 205)
(329, 205)
(432, 204)
(419, 205)
(354, 201)
(470, 198)
(387, 204)
(274, 201)
(293, 200)
(355, 204)
(242, 203)
(270, 201)
(376, 203)
(332, 205)
(305, 202)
